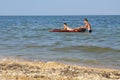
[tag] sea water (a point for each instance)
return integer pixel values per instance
(28, 37)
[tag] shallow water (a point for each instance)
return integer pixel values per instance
(28, 37)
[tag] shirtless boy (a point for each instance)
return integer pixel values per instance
(87, 25)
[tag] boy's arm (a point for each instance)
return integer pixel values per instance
(83, 27)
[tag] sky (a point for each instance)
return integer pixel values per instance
(59, 7)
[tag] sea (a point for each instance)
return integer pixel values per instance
(28, 38)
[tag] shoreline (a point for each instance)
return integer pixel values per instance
(28, 70)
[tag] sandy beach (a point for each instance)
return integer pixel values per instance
(28, 70)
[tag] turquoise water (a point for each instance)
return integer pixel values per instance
(28, 37)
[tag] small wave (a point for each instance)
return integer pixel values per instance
(12, 58)
(42, 29)
(99, 49)
(74, 60)
(35, 46)
(89, 49)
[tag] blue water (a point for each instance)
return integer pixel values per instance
(28, 37)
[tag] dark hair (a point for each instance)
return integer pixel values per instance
(65, 23)
(86, 19)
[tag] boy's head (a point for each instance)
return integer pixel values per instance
(85, 20)
(65, 23)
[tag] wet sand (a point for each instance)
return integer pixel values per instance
(28, 70)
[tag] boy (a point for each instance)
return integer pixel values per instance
(66, 27)
(87, 25)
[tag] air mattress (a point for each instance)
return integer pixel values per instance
(62, 30)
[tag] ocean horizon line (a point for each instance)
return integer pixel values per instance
(63, 15)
